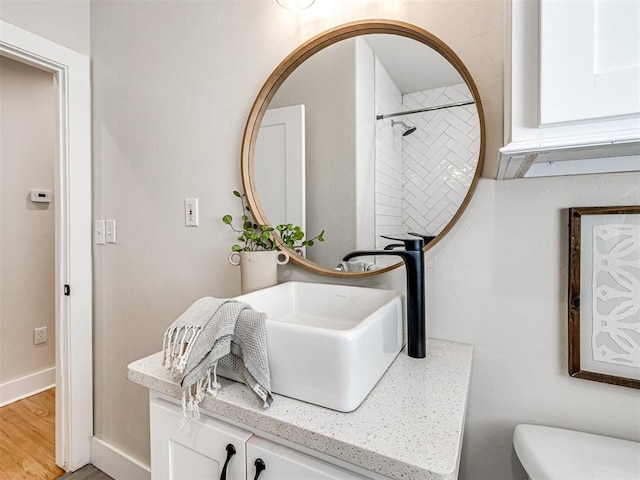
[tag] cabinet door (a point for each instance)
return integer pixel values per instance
(572, 102)
(284, 464)
(589, 59)
(197, 451)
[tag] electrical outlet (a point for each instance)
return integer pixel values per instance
(40, 335)
(191, 212)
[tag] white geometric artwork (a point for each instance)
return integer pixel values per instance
(616, 294)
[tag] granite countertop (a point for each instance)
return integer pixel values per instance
(409, 427)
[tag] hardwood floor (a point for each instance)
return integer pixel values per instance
(27, 439)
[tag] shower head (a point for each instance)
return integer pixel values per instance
(407, 129)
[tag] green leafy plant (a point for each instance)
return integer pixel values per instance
(254, 237)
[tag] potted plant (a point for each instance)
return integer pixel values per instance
(257, 251)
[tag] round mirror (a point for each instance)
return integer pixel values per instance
(371, 129)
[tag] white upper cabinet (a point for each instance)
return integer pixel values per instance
(572, 88)
(589, 60)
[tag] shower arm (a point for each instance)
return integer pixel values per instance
(426, 109)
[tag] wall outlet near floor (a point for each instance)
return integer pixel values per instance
(40, 335)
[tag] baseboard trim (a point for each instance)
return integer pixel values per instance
(116, 463)
(26, 386)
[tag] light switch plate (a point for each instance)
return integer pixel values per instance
(98, 232)
(111, 231)
(191, 212)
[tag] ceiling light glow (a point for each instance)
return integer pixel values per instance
(295, 4)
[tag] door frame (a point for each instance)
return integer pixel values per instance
(73, 233)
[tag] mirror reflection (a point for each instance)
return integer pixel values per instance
(373, 135)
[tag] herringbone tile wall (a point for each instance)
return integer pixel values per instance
(422, 179)
(439, 158)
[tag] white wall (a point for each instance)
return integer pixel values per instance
(62, 21)
(499, 282)
(173, 85)
(27, 258)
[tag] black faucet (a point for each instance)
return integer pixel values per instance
(413, 257)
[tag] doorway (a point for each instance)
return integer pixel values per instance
(27, 260)
(73, 273)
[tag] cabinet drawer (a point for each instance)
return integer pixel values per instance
(285, 464)
(196, 451)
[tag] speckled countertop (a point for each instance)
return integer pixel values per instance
(409, 427)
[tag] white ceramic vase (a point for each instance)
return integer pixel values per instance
(258, 269)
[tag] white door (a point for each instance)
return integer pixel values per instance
(279, 165)
(198, 450)
(282, 463)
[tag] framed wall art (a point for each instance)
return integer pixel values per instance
(604, 294)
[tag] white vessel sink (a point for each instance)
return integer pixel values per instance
(329, 344)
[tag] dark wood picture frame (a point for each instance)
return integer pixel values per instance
(574, 300)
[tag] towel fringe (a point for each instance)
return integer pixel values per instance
(177, 345)
(216, 386)
(193, 396)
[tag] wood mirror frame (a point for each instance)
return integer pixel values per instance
(301, 54)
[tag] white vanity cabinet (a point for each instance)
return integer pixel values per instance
(572, 88)
(196, 451)
(199, 451)
(285, 464)
(409, 427)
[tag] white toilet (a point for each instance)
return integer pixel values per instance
(554, 453)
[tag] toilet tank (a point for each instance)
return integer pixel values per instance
(555, 453)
